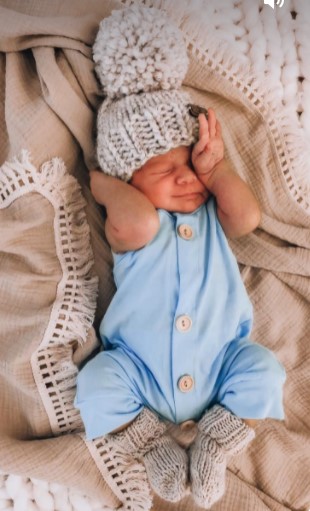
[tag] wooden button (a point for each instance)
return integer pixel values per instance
(186, 383)
(185, 231)
(183, 323)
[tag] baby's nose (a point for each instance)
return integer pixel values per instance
(185, 175)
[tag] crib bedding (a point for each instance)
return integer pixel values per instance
(55, 264)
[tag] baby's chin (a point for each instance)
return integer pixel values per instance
(188, 209)
(188, 205)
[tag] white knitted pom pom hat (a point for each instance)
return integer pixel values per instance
(141, 60)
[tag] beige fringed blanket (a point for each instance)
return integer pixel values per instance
(48, 284)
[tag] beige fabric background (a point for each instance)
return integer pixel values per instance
(48, 100)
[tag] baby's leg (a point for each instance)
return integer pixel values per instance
(249, 386)
(110, 405)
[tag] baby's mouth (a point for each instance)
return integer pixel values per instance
(191, 195)
(188, 194)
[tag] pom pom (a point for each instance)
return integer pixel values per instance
(139, 49)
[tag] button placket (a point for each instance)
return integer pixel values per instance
(185, 314)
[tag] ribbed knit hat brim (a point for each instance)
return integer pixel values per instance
(137, 127)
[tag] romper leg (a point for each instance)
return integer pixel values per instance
(251, 380)
(106, 396)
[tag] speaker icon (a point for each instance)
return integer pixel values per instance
(271, 3)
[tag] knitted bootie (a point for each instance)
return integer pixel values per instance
(220, 433)
(167, 469)
(166, 463)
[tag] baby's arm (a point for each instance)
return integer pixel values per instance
(237, 207)
(132, 221)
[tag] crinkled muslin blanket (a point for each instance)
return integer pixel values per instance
(56, 267)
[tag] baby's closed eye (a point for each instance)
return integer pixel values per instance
(163, 171)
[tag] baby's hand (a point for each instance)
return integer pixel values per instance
(209, 150)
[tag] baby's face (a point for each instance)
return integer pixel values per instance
(170, 183)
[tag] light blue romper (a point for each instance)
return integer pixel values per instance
(176, 334)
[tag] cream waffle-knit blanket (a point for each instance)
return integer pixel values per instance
(48, 102)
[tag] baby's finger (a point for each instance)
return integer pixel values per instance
(200, 144)
(203, 135)
(218, 129)
(211, 122)
(203, 127)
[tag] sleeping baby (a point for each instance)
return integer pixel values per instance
(176, 335)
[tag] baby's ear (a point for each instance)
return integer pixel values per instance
(135, 174)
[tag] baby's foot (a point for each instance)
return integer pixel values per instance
(221, 434)
(167, 469)
(207, 471)
(230, 432)
(166, 463)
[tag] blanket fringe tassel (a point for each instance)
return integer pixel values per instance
(74, 306)
(127, 478)
(72, 315)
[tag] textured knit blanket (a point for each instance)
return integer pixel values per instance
(48, 284)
